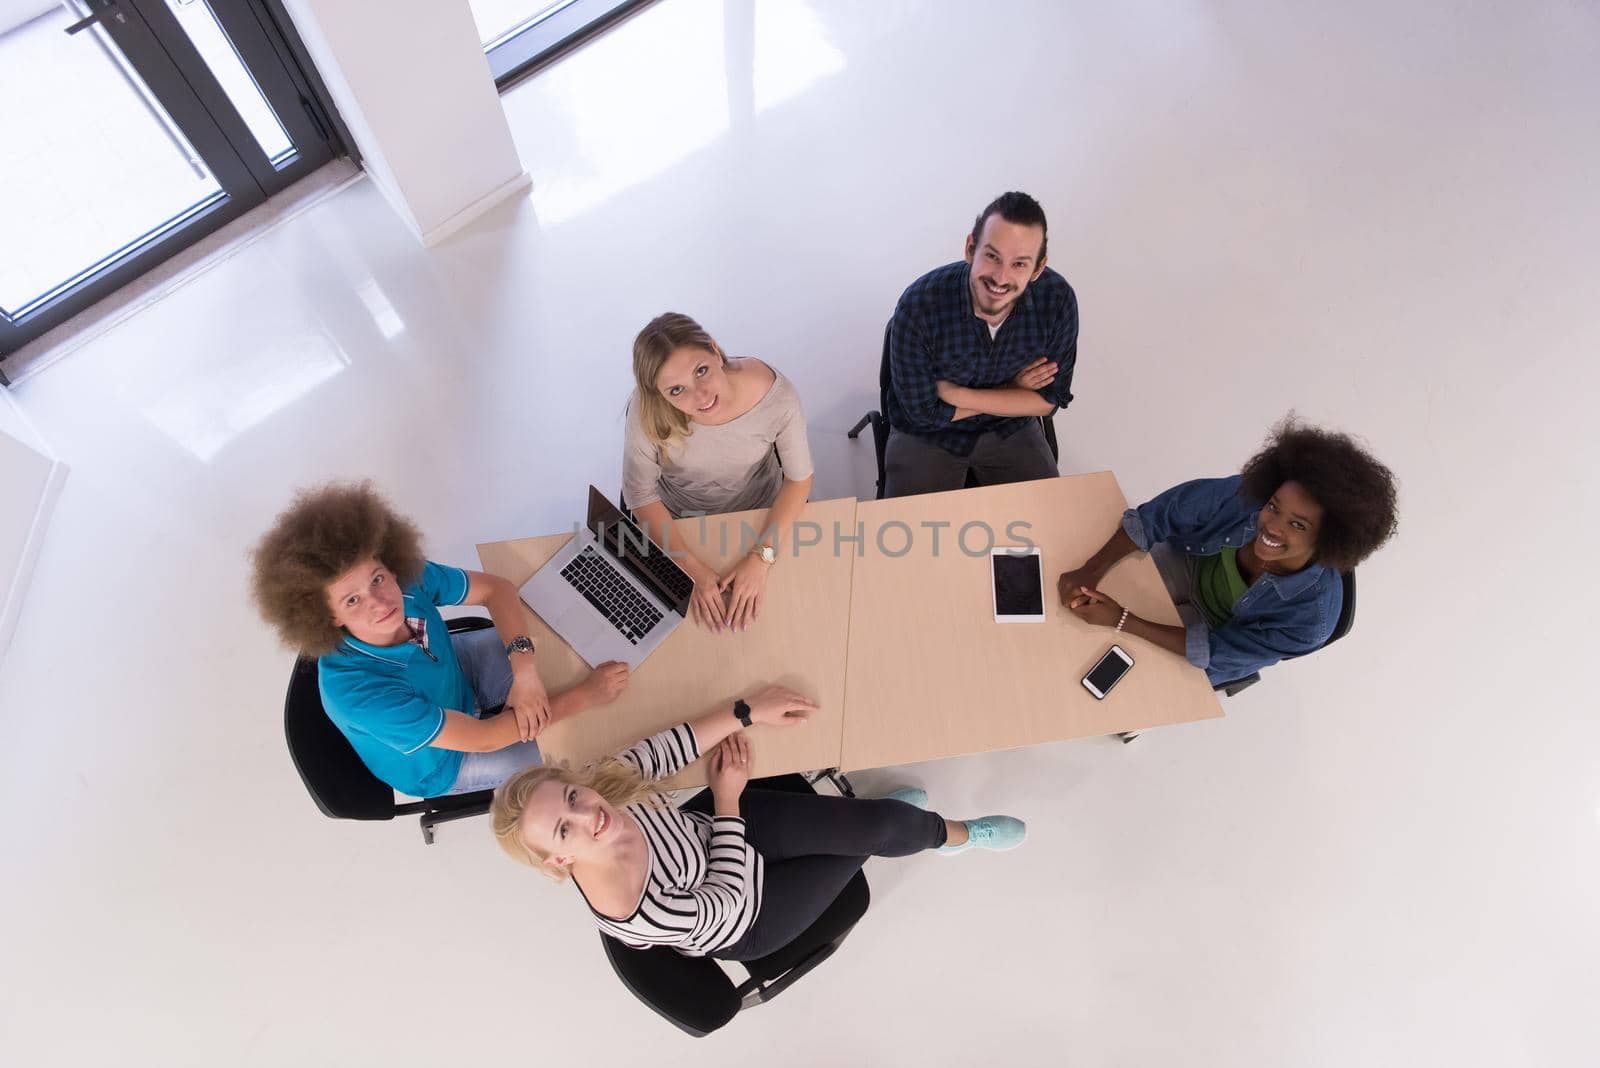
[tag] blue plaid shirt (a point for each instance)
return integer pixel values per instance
(936, 335)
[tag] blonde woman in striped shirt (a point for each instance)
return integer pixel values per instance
(738, 884)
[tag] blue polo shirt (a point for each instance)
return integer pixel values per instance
(390, 700)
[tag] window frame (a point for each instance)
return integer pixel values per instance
(157, 49)
(513, 58)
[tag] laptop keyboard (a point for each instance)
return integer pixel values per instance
(659, 564)
(595, 578)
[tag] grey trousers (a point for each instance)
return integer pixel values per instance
(914, 464)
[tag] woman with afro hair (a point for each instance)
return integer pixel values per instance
(341, 577)
(1253, 560)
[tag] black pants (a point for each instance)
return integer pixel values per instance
(813, 845)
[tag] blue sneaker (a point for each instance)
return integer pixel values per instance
(998, 833)
(911, 795)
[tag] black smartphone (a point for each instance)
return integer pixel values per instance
(1108, 672)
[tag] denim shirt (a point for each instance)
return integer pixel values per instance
(1279, 616)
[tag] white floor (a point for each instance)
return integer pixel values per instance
(1383, 216)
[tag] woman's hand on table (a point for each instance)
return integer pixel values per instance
(706, 605)
(776, 706)
(1095, 608)
(745, 585)
(727, 771)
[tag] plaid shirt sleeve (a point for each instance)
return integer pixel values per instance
(912, 369)
(1063, 349)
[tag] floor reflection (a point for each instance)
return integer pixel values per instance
(579, 163)
(220, 399)
(792, 51)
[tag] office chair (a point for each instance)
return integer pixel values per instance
(334, 774)
(879, 420)
(694, 993)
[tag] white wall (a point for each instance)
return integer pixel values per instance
(14, 13)
(29, 482)
(414, 88)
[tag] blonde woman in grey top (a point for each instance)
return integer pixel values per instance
(708, 435)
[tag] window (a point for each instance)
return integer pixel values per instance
(522, 35)
(134, 128)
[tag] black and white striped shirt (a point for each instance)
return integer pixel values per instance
(704, 886)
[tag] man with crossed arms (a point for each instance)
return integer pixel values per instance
(978, 350)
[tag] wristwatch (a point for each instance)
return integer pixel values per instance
(742, 710)
(767, 554)
(520, 644)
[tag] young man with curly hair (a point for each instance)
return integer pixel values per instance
(341, 577)
(1252, 560)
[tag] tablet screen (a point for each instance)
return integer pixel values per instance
(1017, 589)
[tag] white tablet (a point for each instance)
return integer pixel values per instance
(1017, 577)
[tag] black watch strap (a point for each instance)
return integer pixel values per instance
(742, 710)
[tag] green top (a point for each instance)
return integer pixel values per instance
(1218, 585)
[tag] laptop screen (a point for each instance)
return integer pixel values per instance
(626, 542)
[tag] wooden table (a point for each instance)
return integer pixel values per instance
(931, 674)
(798, 642)
(894, 635)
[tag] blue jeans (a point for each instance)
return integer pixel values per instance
(483, 660)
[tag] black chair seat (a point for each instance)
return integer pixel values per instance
(335, 775)
(692, 993)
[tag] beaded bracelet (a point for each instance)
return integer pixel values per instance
(1123, 620)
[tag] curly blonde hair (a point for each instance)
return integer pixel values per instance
(324, 533)
(613, 780)
(661, 337)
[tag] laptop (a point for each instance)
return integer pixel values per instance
(611, 592)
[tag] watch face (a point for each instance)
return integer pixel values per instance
(769, 555)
